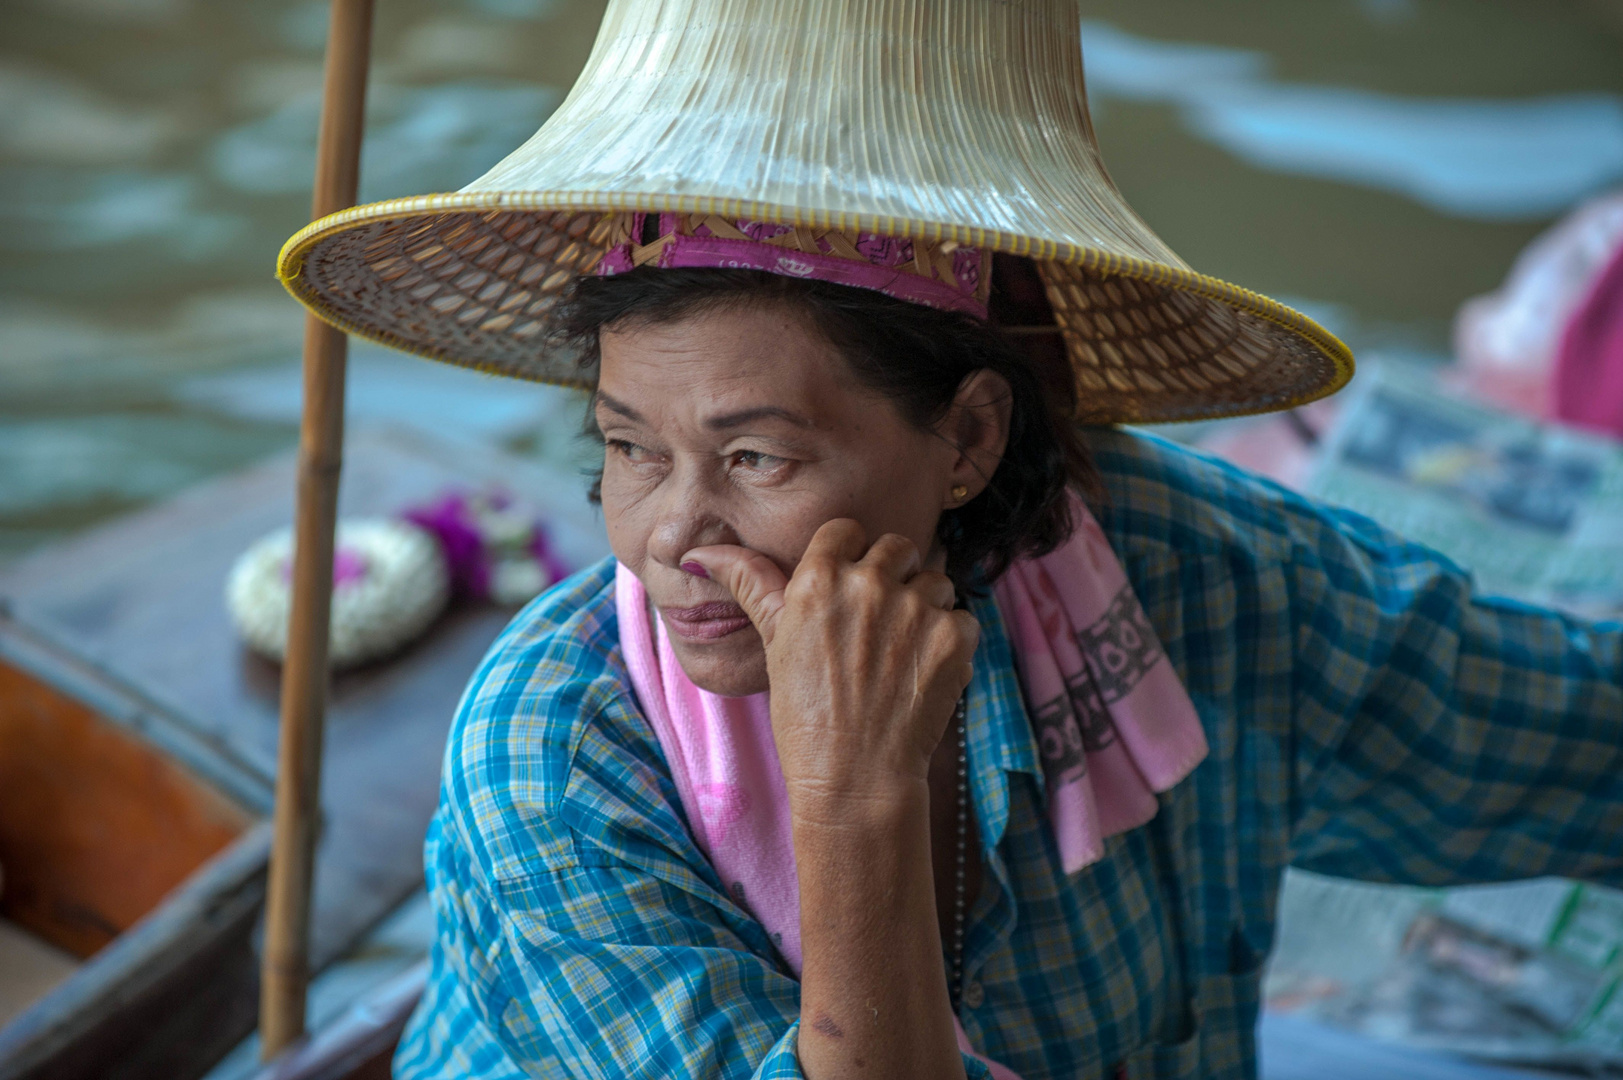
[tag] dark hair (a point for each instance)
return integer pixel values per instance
(915, 356)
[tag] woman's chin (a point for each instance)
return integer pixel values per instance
(733, 666)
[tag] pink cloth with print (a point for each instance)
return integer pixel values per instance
(878, 262)
(1112, 720)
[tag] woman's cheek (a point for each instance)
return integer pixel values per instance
(626, 519)
(626, 484)
(781, 524)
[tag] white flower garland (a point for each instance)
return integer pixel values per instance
(392, 582)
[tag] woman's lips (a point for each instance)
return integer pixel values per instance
(706, 622)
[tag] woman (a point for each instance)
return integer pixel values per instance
(911, 731)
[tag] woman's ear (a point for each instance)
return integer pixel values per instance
(977, 425)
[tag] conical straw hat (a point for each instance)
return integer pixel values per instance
(949, 122)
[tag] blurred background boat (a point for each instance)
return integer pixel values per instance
(138, 746)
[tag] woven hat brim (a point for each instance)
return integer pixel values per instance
(469, 278)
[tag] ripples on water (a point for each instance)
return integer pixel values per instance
(1375, 161)
(1470, 157)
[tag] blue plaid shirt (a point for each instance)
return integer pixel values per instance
(1368, 717)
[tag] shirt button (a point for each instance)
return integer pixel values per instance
(974, 995)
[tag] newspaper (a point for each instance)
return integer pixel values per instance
(1524, 971)
(1535, 511)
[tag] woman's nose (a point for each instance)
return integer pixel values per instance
(688, 516)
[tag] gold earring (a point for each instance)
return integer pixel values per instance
(960, 492)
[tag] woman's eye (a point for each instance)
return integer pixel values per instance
(754, 459)
(629, 450)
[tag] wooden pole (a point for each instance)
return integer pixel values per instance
(286, 971)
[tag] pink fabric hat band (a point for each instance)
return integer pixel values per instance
(946, 276)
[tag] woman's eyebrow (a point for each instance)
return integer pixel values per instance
(615, 405)
(714, 423)
(764, 412)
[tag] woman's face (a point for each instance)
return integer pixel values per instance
(745, 426)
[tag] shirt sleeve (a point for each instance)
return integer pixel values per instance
(1442, 737)
(599, 972)
(592, 971)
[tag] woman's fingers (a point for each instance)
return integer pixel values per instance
(841, 540)
(936, 589)
(754, 580)
(896, 557)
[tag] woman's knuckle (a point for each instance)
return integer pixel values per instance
(816, 568)
(896, 544)
(843, 531)
(941, 638)
(809, 582)
(869, 579)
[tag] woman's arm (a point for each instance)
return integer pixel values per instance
(1441, 737)
(866, 660)
(873, 995)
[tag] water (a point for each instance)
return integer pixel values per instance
(1373, 161)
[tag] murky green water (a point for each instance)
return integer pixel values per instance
(1377, 161)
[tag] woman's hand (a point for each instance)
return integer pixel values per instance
(866, 658)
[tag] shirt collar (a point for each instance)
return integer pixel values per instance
(1000, 736)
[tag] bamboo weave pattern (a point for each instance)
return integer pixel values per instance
(941, 121)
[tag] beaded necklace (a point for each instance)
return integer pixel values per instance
(957, 983)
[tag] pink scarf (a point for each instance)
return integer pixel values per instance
(1112, 721)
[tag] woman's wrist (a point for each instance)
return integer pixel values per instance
(877, 800)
